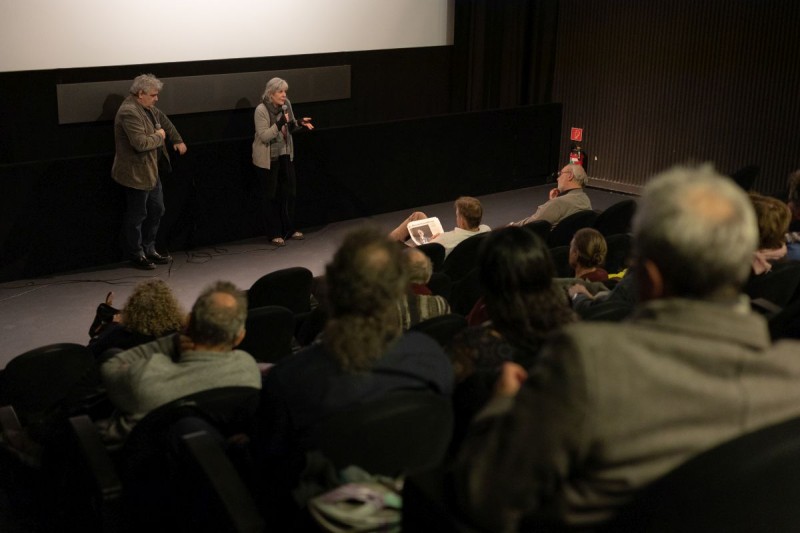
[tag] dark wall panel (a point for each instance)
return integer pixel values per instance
(64, 214)
(659, 82)
(98, 100)
(385, 85)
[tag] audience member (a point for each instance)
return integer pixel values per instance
(362, 354)
(153, 374)
(567, 198)
(587, 255)
(469, 213)
(613, 406)
(773, 218)
(151, 311)
(523, 305)
(419, 303)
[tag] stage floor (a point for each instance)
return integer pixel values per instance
(60, 308)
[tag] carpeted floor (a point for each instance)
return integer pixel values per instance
(60, 308)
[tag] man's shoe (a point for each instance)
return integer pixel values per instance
(142, 263)
(159, 259)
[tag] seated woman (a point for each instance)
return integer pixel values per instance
(152, 311)
(523, 305)
(587, 255)
(773, 218)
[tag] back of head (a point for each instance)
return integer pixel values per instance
(153, 310)
(470, 210)
(699, 229)
(591, 247)
(579, 175)
(218, 316)
(773, 218)
(419, 265)
(365, 280)
(516, 274)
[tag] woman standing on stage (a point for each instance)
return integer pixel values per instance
(273, 153)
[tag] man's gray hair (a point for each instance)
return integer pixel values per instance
(274, 85)
(699, 228)
(213, 324)
(146, 83)
(579, 174)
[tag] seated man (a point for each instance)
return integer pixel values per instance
(362, 354)
(153, 374)
(611, 407)
(469, 213)
(419, 302)
(567, 198)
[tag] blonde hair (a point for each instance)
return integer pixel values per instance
(591, 247)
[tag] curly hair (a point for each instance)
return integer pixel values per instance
(516, 273)
(365, 279)
(152, 309)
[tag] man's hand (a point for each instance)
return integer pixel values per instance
(180, 147)
(554, 193)
(185, 344)
(511, 378)
(161, 133)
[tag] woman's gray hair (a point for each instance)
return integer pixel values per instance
(699, 228)
(274, 85)
(146, 83)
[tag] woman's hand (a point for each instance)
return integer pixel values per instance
(306, 123)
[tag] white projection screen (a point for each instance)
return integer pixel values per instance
(53, 34)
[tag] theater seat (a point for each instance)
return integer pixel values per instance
(748, 484)
(402, 432)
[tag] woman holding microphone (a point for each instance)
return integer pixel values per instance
(273, 153)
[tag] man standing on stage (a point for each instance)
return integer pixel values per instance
(141, 134)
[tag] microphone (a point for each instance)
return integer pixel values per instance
(285, 108)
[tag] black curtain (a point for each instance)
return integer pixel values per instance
(504, 53)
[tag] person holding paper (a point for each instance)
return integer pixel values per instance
(469, 213)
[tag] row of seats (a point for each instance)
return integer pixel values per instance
(180, 470)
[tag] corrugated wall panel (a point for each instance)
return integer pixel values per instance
(660, 82)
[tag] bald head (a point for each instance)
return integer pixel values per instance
(218, 316)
